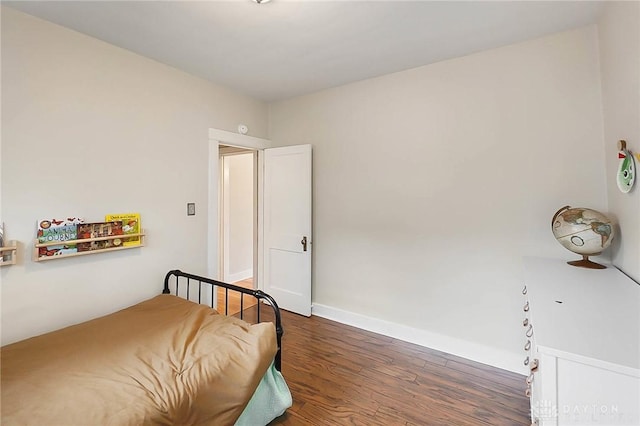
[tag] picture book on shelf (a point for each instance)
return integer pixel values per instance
(99, 230)
(59, 231)
(130, 225)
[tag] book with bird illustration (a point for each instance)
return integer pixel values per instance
(57, 231)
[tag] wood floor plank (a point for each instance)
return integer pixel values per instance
(415, 355)
(439, 401)
(340, 375)
(485, 371)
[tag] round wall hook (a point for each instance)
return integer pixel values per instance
(622, 145)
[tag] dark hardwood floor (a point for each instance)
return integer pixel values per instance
(340, 375)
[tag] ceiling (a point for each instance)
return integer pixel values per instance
(286, 48)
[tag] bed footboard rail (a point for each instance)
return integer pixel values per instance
(179, 278)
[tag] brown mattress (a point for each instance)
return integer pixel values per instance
(162, 361)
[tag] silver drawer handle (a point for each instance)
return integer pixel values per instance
(529, 332)
(526, 361)
(525, 322)
(527, 393)
(526, 307)
(524, 290)
(529, 379)
(534, 365)
(527, 345)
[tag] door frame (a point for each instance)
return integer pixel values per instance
(216, 138)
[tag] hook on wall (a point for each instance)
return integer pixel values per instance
(622, 145)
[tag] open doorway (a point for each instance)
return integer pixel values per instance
(282, 266)
(237, 224)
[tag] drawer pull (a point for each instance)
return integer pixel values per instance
(529, 379)
(527, 393)
(526, 361)
(525, 322)
(534, 364)
(529, 332)
(526, 307)
(527, 345)
(524, 290)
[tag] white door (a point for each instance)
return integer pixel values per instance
(287, 227)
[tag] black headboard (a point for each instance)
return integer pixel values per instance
(192, 289)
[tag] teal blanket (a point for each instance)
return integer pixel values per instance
(270, 400)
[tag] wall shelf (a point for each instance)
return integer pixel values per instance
(37, 246)
(10, 251)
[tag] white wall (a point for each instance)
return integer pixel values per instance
(89, 129)
(619, 37)
(238, 200)
(430, 184)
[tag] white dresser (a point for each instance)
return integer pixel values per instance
(582, 344)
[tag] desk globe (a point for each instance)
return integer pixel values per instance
(583, 231)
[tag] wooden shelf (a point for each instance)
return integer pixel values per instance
(12, 248)
(88, 240)
(37, 258)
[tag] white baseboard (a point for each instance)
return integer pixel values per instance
(238, 276)
(470, 350)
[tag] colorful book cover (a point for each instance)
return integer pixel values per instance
(130, 225)
(57, 230)
(97, 230)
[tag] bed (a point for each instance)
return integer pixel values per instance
(167, 360)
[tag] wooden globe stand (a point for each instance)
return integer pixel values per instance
(586, 263)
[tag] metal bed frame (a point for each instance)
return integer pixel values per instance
(259, 295)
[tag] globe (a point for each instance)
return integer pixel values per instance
(583, 231)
